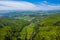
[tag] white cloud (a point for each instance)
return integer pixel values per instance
(13, 5)
(10, 5)
(50, 7)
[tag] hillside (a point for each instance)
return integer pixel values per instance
(40, 27)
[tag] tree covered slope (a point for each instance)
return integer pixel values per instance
(39, 28)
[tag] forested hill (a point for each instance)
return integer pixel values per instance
(37, 27)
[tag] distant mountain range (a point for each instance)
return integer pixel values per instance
(22, 12)
(7, 11)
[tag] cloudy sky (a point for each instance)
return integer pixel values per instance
(29, 4)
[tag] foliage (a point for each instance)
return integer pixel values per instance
(46, 28)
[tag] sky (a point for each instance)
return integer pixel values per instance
(29, 4)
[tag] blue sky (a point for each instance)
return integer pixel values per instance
(37, 1)
(29, 4)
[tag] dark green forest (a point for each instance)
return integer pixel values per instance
(30, 27)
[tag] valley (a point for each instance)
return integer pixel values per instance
(30, 26)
